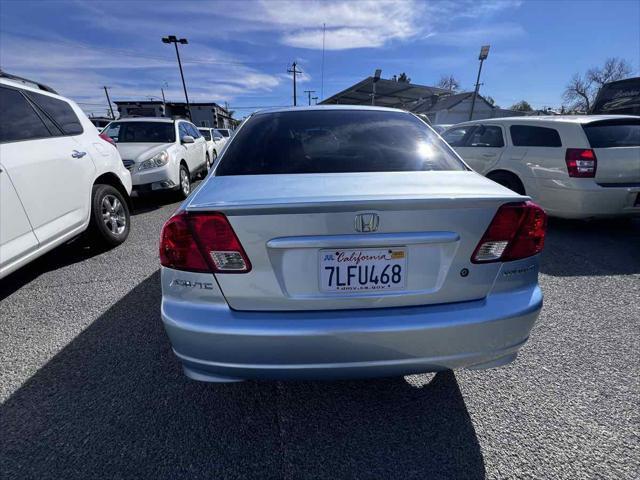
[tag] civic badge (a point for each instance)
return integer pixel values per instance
(367, 222)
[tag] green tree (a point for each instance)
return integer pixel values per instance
(521, 106)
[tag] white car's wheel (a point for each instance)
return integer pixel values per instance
(185, 182)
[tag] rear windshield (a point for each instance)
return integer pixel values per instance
(141, 132)
(205, 133)
(613, 135)
(333, 141)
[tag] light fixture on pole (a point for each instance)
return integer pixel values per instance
(376, 77)
(175, 40)
(484, 53)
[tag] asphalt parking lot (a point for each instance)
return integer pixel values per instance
(90, 388)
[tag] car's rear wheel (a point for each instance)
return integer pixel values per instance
(185, 182)
(110, 218)
(509, 180)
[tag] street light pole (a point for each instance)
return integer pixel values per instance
(173, 39)
(484, 53)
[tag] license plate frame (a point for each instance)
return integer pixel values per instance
(367, 264)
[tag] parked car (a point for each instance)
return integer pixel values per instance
(225, 133)
(440, 128)
(343, 241)
(161, 153)
(215, 142)
(619, 97)
(58, 177)
(573, 166)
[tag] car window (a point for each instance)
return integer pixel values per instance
(528, 136)
(19, 121)
(624, 133)
(59, 111)
(205, 133)
(486, 136)
(141, 132)
(224, 133)
(195, 133)
(456, 136)
(333, 141)
(182, 129)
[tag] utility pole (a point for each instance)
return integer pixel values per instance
(315, 99)
(376, 77)
(173, 39)
(113, 117)
(295, 74)
(309, 92)
(484, 53)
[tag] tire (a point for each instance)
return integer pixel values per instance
(184, 188)
(508, 180)
(110, 219)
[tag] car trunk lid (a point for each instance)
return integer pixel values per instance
(290, 225)
(616, 144)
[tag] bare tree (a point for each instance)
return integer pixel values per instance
(579, 93)
(448, 82)
(612, 70)
(582, 89)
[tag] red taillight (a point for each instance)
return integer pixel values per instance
(202, 242)
(107, 138)
(581, 162)
(516, 231)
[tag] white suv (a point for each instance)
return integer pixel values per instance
(573, 166)
(161, 153)
(58, 177)
(215, 143)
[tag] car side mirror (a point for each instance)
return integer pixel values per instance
(188, 139)
(217, 138)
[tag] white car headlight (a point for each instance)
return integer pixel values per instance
(158, 160)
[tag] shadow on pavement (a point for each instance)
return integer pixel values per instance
(115, 404)
(78, 250)
(596, 247)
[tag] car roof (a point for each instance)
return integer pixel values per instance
(314, 108)
(150, 119)
(576, 119)
(31, 86)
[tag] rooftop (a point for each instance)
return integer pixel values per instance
(389, 93)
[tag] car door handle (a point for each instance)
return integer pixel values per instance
(488, 155)
(77, 154)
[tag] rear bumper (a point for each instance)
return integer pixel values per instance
(216, 343)
(583, 198)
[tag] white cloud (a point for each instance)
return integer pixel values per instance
(79, 71)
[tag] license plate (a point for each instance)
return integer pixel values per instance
(363, 269)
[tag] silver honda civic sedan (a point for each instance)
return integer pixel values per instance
(340, 242)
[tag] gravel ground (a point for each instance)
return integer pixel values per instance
(90, 388)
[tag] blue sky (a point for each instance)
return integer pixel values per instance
(239, 51)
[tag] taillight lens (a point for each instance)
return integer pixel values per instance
(581, 162)
(516, 231)
(202, 242)
(107, 138)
